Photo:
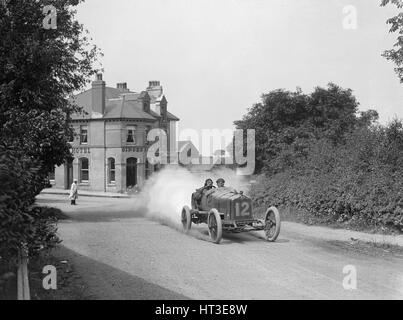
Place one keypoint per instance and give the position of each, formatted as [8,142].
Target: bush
[21,223]
[358,182]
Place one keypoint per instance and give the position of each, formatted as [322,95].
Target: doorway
[131,172]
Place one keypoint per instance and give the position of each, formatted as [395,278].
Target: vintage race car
[224,209]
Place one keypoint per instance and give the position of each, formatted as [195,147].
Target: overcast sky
[215,58]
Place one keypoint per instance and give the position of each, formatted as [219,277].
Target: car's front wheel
[215,226]
[186,219]
[272,223]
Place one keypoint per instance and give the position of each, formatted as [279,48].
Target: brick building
[110,145]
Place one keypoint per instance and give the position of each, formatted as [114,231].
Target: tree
[39,70]
[279,109]
[286,122]
[396,25]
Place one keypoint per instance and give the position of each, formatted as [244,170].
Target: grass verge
[70,285]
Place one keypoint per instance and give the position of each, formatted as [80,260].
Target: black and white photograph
[201,155]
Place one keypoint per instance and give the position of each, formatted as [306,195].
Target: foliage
[359,182]
[39,70]
[286,121]
[396,25]
[21,222]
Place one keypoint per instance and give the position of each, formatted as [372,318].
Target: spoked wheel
[215,226]
[186,219]
[272,224]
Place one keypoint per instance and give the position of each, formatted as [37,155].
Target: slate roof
[171,117]
[119,104]
[121,108]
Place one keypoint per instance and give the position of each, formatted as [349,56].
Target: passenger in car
[221,185]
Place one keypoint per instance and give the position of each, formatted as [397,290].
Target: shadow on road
[47,202]
[105,282]
[239,238]
[95,210]
[107,215]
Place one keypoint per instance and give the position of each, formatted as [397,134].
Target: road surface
[122,254]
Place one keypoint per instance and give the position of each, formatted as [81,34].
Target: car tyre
[272,224]
[215,226]
[186,219]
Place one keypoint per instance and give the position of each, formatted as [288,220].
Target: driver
[208,185]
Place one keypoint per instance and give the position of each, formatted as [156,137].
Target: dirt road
[124,255]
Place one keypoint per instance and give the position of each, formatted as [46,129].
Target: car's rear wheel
[215,226]
[272,224]
[186,219]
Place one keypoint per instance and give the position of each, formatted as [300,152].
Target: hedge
[21,223]
[360,181]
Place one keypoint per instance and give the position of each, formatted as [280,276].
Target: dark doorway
[68,173]
[131,172]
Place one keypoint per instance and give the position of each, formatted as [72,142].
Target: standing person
[73,192]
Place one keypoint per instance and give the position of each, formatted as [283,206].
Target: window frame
[132,128]
[83,128]
[111,170]
[81,170]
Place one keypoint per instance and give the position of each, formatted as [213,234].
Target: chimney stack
[122,86]
[98,94]
[154,89]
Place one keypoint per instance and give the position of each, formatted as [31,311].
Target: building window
[83,135]
[130,134]
[111,167]
[51,175]
[189,153]
[84,170]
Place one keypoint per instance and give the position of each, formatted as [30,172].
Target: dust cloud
[167,191]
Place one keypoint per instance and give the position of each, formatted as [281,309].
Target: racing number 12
[245,209]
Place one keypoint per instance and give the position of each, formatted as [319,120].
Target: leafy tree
[286,122]
[396,25]
[20,222]
[39,70]
[333,111]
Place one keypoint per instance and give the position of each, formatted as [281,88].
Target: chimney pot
[122,85]
[153,84]
[99,77]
